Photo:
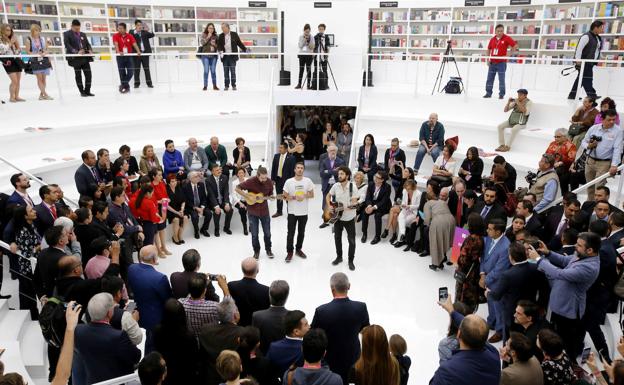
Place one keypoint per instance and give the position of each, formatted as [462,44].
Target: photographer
[200,311]
[521,109]
[321,45]
[544,184]
[306,46]
[603,144]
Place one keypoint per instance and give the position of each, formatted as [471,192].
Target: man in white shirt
[228,44]
[297,191]
[344,192]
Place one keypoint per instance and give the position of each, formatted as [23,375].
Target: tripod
[320,62]
[448,57]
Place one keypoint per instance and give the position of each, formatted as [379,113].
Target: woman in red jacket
[145,210]
[161,199]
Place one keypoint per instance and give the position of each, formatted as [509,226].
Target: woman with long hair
[329,135]
[471,169]
[178,345]
[28,243]
[161,199]
[517,225]
[444,167]
[467,290]
[149,160]
[144,209]
[12,65]
[175,209]
[208,42]
[120,169]
[376,365]
[408,214]
[236,200]
[37,45]
[367,156]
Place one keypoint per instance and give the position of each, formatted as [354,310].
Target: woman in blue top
[173,163]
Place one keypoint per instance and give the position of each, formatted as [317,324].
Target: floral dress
[558,372]
[27,241]
[469,264]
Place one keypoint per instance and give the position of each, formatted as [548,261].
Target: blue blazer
[102,353]
[284,353]
[86,184]
[495,261]
[327,172]
[151,290]
[372,158]
[570,278]
[44,220]
[16,199]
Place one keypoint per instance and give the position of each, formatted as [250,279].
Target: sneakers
[289,257]
[301,254]
[269,254]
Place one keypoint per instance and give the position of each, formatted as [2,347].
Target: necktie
[485,211]
[218,190]
[458,211]
[195,196]
[281,165]
[95,175]
[492,247]
[563,226]
[53,211]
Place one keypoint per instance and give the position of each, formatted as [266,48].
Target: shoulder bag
[38,63]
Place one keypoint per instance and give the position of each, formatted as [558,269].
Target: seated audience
[270,321]
[218,189]
[149,160]
[376,365]
[191,261]
[556,366]
[287,351]
[377,204]
[520,110]
[175,210]
[408,214]
[394,159]
[431,140]
[314,346]
[524,368]
[197,203]
[398,180]
[583,118]
[216,154]
[444,167]
[249,295]
[195,158]
[126,154]
[199,310]
[241,156]
[173,162]
[450,343]
[471,169]
[367,156]
[237,200]
[565,153]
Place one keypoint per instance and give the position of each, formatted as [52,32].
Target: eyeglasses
[558,136]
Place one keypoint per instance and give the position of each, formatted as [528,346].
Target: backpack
[52,321]
[453,86]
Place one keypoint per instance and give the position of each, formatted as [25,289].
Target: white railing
[271,126]
[352,161]
[130,379]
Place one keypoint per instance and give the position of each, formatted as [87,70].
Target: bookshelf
[549,31]
[176,27]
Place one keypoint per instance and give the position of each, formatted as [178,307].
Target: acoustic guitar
[254,198]
[333,217]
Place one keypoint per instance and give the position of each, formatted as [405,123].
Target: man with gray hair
[248,293]
[216,153]
[394,161]
[223,336]
[270,322]
[228,44]
[195,158]
[342,320]
[102,352]
[151,290]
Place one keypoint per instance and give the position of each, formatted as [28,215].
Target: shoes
[233,88]
[150,86]
[175,242]
[400,244]
[289,257]
[384,235]
[496,337]
[502,148]
[276,215]
[89,93]
[226,88]
[323,225]
[227,231]
[571,97]
[298,87]
[245,231]
[501,96]
[393,239]
[205,88]
[45,97]
[196,235]
[215,88]
[270,254]
[166,252]
[137,85]
[217,233]
[300,254]
[486,96]
[351,266]
[205,233]
[414,249]
[407,248]
[84,94]
[337,261]
[375,241]
[433,267]
[256,255]
[181,241]
[424,253]
[364,238]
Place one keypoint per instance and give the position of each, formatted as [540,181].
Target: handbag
[37,63]
[511,202]
[443,181]
[460,276]
[575,129]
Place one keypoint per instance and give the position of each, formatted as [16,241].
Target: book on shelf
[87,26]
[612,43]
[72,10]
[469,43]
[176,41]
[129,12]
[99,41]
[429,28]
[610,10]
[216,14]
[474,29]
[174,27]
[520,14]
[428,43]
[568,29]
[523,29]
[390,15]
[258,28]
[31,8]
[528,44]
[389,28]
[272,42]
[176,13]
[57,41]
[618,57]
[560,44]
[259,15]
[389,42]
[431,15]
[474,14]
[614,26]
[569,12]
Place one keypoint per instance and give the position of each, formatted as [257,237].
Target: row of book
[174,27]
[520,14]
[389,28]
[176,41]
[474,14]
[31,8]
[436,14]
[566,28]
[253,15]
[99,41]
[522,29]
[428,43]
[271,42]
[73,10]
[46,25]
[389,42]
[429,28]
[569,12]
[168,13]
[609,10]
[390,15]
[251,28]
[129,12]
[476,29]
[615,26]
[560,44]
[211,14]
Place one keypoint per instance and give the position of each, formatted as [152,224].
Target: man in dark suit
[602,193]
[489,208]
[46,210]
[456,203]
[76,43]
[517,283]
[21,183]
[329,170]
[87,178]
[216,338]
[191,260]
[616,220]
[47,270]
[287,351]
[219,192]
[510,182]
[197,203]
[151,290]
[102,352]
[342,320]
[249,295]
[97,228]
[228,44]
[393,159]
[377,203]
[282,169]
[142,36]
[270,321]
[532,223]
[559,219]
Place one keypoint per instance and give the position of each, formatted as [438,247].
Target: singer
[306,46]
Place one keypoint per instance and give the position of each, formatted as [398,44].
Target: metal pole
[56,77]
[580,80]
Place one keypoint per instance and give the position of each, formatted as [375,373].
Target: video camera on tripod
[455,85]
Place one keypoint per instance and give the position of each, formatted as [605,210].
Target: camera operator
[603,144]
[321,45]
[306,46]
[545,185]
[199,310]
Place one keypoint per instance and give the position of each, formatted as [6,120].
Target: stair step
[12,325]
[33,346]
[12,359]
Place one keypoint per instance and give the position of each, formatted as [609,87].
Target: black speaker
[369,59]
[370,79]
[284,76]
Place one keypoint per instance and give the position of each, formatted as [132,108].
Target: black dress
[176,198]
[476,169]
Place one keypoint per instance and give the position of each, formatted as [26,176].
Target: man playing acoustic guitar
[343,196]
[256,190]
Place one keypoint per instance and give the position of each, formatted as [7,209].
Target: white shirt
[343,195]
[298,188]
[234,196]
[449,165]
[228,43]
[196,163]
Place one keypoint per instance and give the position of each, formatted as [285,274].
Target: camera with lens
[531,177]
[290,142]
[595,138]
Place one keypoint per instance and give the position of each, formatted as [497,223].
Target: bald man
[248,293]
[195,158]
[151,290]
[216,153]
[431,139]
[476,362]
